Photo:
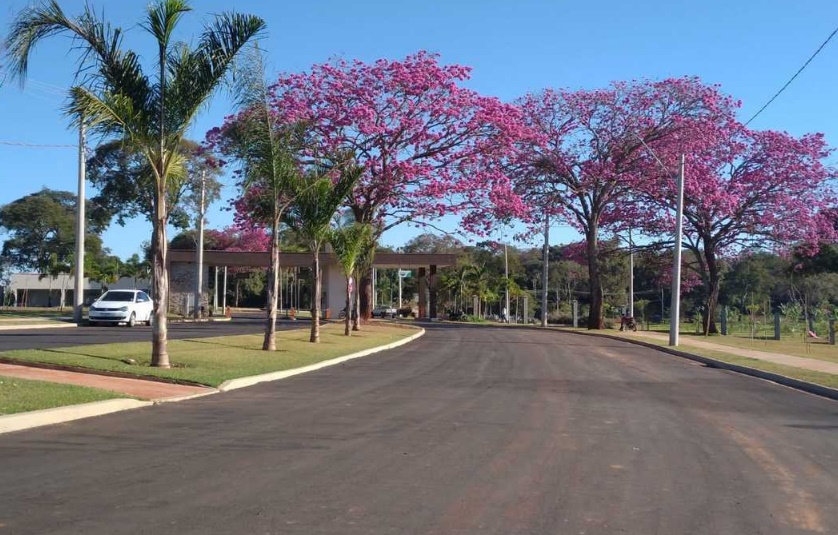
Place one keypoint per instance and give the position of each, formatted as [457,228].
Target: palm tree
[265,148]
[317,197]
[349,243]
[149,114]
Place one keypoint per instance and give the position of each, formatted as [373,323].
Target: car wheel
[92,323]
[132,320]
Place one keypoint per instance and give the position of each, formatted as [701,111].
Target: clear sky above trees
[751,47]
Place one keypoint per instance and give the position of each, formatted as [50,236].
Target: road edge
[797,384]
[243,382]
[27,420]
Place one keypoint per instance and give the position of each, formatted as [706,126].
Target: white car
[121,306]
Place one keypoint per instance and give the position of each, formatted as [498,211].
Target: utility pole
[78,290]
[506,272]
[631,277]
[675,307]
[545,270]
[199,277]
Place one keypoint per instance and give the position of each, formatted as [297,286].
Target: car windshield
[125,297]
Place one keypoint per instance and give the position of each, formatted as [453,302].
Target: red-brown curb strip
[26,420]
[30,326]
[805,386]
[242,382]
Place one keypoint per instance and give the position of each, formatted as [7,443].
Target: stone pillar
[724,321]
[423,293]
[432,286]
[832,331]
[776,326]
[575,313]
[526,314]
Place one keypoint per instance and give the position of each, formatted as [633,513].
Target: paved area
[150,390]
[467,430]
[40,338]
[777,358]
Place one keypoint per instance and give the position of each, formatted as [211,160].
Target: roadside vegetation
[211,361]
[22,395]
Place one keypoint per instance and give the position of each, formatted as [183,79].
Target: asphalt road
[466,430]
[66,337]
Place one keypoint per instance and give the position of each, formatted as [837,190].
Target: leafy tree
[584,154]
[41,228]
[426,144]
[431,243]
[136,269]
[149,114]
[744,189]
[126,182]
[318,194]
[348,244]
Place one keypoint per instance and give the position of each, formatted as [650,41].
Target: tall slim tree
[348,244]
[149,113]
[265,148]
[318,195]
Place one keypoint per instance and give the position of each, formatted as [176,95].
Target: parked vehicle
[384,311]
[121,306]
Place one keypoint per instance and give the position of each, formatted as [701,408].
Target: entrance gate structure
[183,273]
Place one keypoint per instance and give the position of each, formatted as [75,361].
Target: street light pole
[675,307]
[545,274]
[78,288]
[506,272]
[631,277]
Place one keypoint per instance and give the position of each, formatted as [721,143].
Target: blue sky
[750,47]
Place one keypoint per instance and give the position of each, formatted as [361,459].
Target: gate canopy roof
[262,259]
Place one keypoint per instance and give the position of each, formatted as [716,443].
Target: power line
[37,145]
[808,61]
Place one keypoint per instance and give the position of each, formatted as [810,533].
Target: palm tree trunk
[356,320]
[348,318]
[315,300]
[269,343]
[160,285]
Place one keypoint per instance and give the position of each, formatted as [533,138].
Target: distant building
[35,290]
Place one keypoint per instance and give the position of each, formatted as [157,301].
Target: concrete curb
[30,326]
[790,382]
[243,382]
[210,391]
[28,420]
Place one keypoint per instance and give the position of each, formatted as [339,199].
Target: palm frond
[196,75]
[162,17]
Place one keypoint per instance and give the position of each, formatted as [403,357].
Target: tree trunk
[713,288]
[348,318]
[315,300]
[595,280]
[269,343]
[356,320]
[365,289]
[160,285]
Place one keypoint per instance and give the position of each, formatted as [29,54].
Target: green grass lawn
[211,361]
[21,395]
[824,379]
[30,312]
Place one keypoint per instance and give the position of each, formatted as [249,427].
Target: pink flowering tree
[744,189]
[584,154]
[427,146]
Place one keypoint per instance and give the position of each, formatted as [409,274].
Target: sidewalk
[814,365]
[139,388]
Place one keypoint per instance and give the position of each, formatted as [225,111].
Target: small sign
[404,273]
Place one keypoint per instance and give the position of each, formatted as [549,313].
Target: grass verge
[819,378]
[22,395]
[211,361]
